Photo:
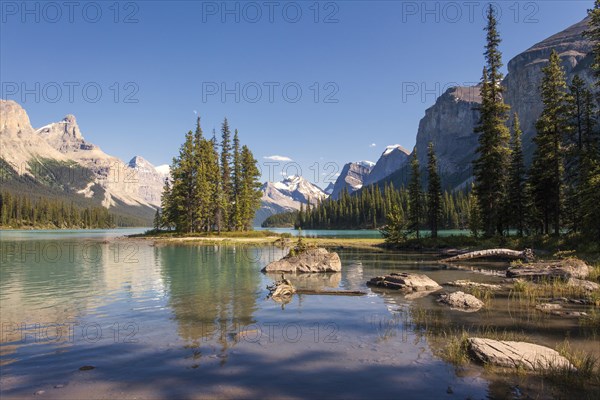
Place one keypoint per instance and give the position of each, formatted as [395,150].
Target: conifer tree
[213,177]
[250,188]
[434,192]
[552,126]
[236,220]
[183,189]
[516,180]
[415,194]
[593,34]
[157,220]
[226,168]
[166,206]
[491,166]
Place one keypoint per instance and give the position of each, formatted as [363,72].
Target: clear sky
[367,70]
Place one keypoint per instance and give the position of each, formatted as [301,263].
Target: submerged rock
[558,311]
[517,354]
[310,260]
[405,282]
[469,284]
[562,269]
[461,301]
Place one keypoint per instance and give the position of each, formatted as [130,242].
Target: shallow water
[184,321]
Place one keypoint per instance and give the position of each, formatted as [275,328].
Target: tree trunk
[526,254]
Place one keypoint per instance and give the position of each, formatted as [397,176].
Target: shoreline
[367,243]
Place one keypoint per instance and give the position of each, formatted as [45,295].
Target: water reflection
[213,291]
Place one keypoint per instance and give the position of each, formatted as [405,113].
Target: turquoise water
[357,234]
[189,321]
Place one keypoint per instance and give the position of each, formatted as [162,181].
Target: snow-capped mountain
[352,177]
[287,195]
[150,179]
[391,160]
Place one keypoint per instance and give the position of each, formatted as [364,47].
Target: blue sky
[357,64]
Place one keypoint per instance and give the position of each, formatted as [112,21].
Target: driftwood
[332,292]
[283,290]
[526,255]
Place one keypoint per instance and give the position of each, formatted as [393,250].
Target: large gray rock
[461,301]
[517,355]
[311,260]
[562,269]
[405,282]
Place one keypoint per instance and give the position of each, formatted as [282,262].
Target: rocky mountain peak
[13,118]
[352,177]
[392,158]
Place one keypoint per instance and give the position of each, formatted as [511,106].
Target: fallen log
[331,292]
[283,290]
[526,255]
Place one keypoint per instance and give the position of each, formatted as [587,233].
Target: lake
[186,321]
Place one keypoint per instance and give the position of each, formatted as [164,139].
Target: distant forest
[368,209]
[24,212]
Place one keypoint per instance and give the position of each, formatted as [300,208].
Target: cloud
[277,158]
[372,145]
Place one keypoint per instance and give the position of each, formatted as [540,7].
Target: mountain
[352,177]
[450,121]
[56,160]
[329,189]
[287,195]
[151,179]
[392,159]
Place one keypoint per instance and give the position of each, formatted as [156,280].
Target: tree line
[210,190]
[561,189]
[21,211]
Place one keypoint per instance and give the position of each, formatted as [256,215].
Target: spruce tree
[593,34]
[218,200]
[236,220]
[202,192]
[516,180]
[157,220]
[166,206]
[552,126]
[226,168]
[183,189]
[415,194]
[250,188]
[491,166]
[434,192]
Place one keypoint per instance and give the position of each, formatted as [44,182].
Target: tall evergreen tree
[552,126]
[491,166]
[236,217]
[215,191]
[415,194]
[184,186]
[434,192]
[250,188]
[593,34]
[166,206]
[516,181]
[226,167]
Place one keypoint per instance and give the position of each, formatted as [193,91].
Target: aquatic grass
[484,294]
[587,367]
[590,324]
[532,293]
